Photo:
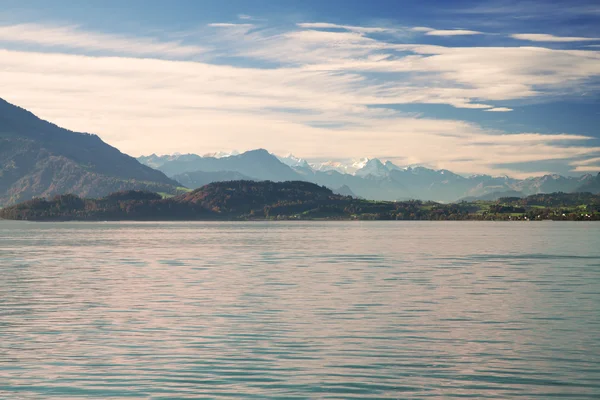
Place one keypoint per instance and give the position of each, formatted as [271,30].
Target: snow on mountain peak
[360,163]
[373,167]
[292,161]
[222,154]
[344,167]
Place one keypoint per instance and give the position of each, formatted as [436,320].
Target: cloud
[499,109]
[452,32]
[244,16]
[588,161]
[307,85]
[531,9]
[71,37]
[529,138]
[586,165]
[542,37]
[444,32]
[145,105]
[422,29]
[325,25]
[587,168]
[229,25]
[433,74]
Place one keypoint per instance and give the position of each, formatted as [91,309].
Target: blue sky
[499,87]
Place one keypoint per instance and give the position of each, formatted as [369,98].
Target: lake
[337,310]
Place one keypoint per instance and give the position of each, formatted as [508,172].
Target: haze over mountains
[367,178]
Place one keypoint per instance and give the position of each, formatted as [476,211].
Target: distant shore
[296,201]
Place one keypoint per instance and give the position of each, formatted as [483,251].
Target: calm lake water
[406,310]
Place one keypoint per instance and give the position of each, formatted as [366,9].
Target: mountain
[374,168]
[369,178]
[551,183]
[38,158]
[291,161]
[591,186]
[197,179]
[344,191]
[222,154]
[344,167]
[156,161]
[256,164]
[250,200]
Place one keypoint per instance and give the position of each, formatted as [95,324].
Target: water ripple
[299,310]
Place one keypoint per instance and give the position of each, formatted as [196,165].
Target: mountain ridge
[39,158]
[377,180]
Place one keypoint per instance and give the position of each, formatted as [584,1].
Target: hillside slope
[40,159]
[250,200]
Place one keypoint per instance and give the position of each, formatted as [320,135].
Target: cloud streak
[136,104]
[325,25]
[319,83]
[542,37]
[452,32]
[71,37]
[229,25]
[444,32]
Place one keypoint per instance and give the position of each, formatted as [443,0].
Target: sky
[496,87]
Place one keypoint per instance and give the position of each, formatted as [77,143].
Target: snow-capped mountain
[373,167]
[291,161]
[343,167]
[369,178]
[156,161]
[331,166]
[222,154]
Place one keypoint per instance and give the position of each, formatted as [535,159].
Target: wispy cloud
[71,37]
[529,8]
[586,165]
[542,37]
[316,75]
[421,29]
[463,75]
[325,25]
[124,99]
[444,32]
[452,32]
[229,25]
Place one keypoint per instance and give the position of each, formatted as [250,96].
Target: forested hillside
[249,200]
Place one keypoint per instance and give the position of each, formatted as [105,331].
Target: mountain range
[367,178]
[40,159]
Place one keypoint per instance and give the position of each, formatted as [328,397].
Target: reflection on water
[300,310]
